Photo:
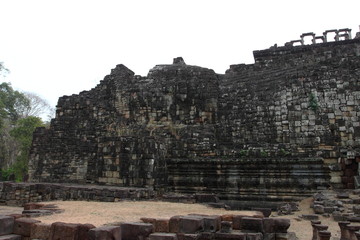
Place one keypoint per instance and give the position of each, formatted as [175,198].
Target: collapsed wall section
[121,131]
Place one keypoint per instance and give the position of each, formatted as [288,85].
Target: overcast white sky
[55,48]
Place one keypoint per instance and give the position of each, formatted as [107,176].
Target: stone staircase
[240,182]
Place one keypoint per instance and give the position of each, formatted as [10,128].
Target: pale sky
[55,48]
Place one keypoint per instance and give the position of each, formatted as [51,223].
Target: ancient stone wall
[294,103]
[18,194]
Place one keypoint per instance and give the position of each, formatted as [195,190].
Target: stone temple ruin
[276,130]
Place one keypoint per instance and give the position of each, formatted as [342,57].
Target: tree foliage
[19,116]
[12,103]
[3,70]
[22,133]
[37,106]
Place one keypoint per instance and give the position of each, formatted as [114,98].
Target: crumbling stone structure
[272,130]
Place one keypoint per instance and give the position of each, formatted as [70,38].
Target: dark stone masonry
[279,129]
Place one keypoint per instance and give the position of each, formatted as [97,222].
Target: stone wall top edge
[245,159]
[302,48]
[72,185]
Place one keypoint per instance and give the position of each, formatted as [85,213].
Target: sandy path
[5,210]
[100,213]
[303,228]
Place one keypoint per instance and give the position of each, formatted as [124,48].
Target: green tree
[19,116]
[12,103]
[23,133]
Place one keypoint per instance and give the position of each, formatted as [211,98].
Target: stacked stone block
[181,227]
[18,194]
[293,103]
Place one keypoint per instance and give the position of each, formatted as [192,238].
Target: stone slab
[104,233]
[22,226]
[134,231]
[6,225]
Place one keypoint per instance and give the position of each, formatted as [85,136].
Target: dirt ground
[100,213]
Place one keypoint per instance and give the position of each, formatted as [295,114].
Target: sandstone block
[254,236]
[69,231]
[32,206]
[11,237]
[40,231]
[22,226]
[16,216]
[286,236]
[206,236]
[237,221]
[281,225]
[104,233]
[226,227]
[148,220]
[227,217]
[310,217]
[269,236]
[252,224]
[162,225]
[356,209]
[212,223]
[134,231]
[6,225]
[174,224]
[163,236]
[206,198]
[319,209]
[269,225]
[184,236]
[191,224]
[225,236]
[265,211]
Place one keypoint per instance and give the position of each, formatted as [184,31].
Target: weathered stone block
[148,220]
[286,236]
[191,224]
[69,231]
[319,209]
[356,209]
[269,236]
[11,237]
[162,225]
[226,227]
[254,236]
[225,236]
[227,217]
[174,224]
[184,236]
[163,236]
[104,233]
[252,224]
[310,217]
[281,225]
[265,211]
[237,221]
[40,231]
[32,206]
[6,225]
[206,198]
[269,225]
[22,226]
[134,231]
[212,223]
[329,209]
